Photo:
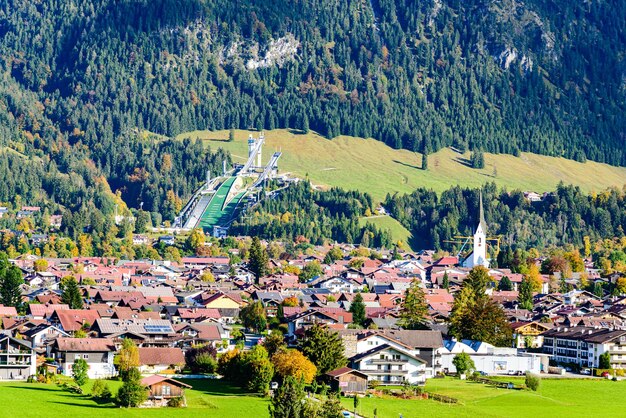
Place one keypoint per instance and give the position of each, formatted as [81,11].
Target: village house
[390,365]
[17,359]
[97,352]
[159,359]
[161,389]
[348,381]
[529,334]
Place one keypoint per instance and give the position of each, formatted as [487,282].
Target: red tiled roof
[85,344]
[74,319]
[7,311]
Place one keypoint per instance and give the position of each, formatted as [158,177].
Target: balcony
[385,372]
[388,361]
[4,363]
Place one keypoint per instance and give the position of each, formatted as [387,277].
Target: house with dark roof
[17,359]
[158,359]
[348,381]
[584,345]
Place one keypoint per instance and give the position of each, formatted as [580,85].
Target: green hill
[370,165]
[386,222]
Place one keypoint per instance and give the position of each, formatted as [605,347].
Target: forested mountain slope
[79,79]
[540,76]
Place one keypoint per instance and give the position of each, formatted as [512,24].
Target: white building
[390,365]
[585,345]
[418,351]
[478,256]
[490,359]
[97,352]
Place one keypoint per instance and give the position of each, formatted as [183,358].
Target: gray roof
[415,338]
[109,326]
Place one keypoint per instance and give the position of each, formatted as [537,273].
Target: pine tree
[258,259]
[324,348]
[525,297]
[10,281]
[72,295]
[424,161]
[446,281]
[288,400]
[132,393]
[357,307]
[477,159]
[505,284]
[414,308]
[79,372]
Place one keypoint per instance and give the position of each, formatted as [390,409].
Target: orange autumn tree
[294,363]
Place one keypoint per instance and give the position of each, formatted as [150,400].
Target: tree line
[564,216]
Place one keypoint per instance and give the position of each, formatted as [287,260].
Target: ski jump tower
[256,146]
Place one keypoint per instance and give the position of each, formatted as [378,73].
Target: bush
[463,363]
[373,384]
[532,382]
[97,388]
[612,372]
[106,395]
[201,359]
[176,402]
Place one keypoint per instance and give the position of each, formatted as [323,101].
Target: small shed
[347,380]
[162,389]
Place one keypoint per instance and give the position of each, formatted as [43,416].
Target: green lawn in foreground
[371,166]
[555,398]
[208,398]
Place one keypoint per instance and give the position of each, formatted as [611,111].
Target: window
[86,356]
[166,390]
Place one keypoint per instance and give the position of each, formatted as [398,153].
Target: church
[478,257]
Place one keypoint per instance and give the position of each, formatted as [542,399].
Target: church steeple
[482,224]
[478,257]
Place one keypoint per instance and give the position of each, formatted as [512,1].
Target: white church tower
[478,257]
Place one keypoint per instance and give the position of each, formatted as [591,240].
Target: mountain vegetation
[564,216]
[82,81]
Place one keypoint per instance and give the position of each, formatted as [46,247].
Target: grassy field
[370,165]
[209,398]
[571,398]
[398,232]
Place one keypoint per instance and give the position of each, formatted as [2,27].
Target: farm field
[369,165]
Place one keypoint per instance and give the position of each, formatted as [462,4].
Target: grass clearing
[370,165]
[398,231]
